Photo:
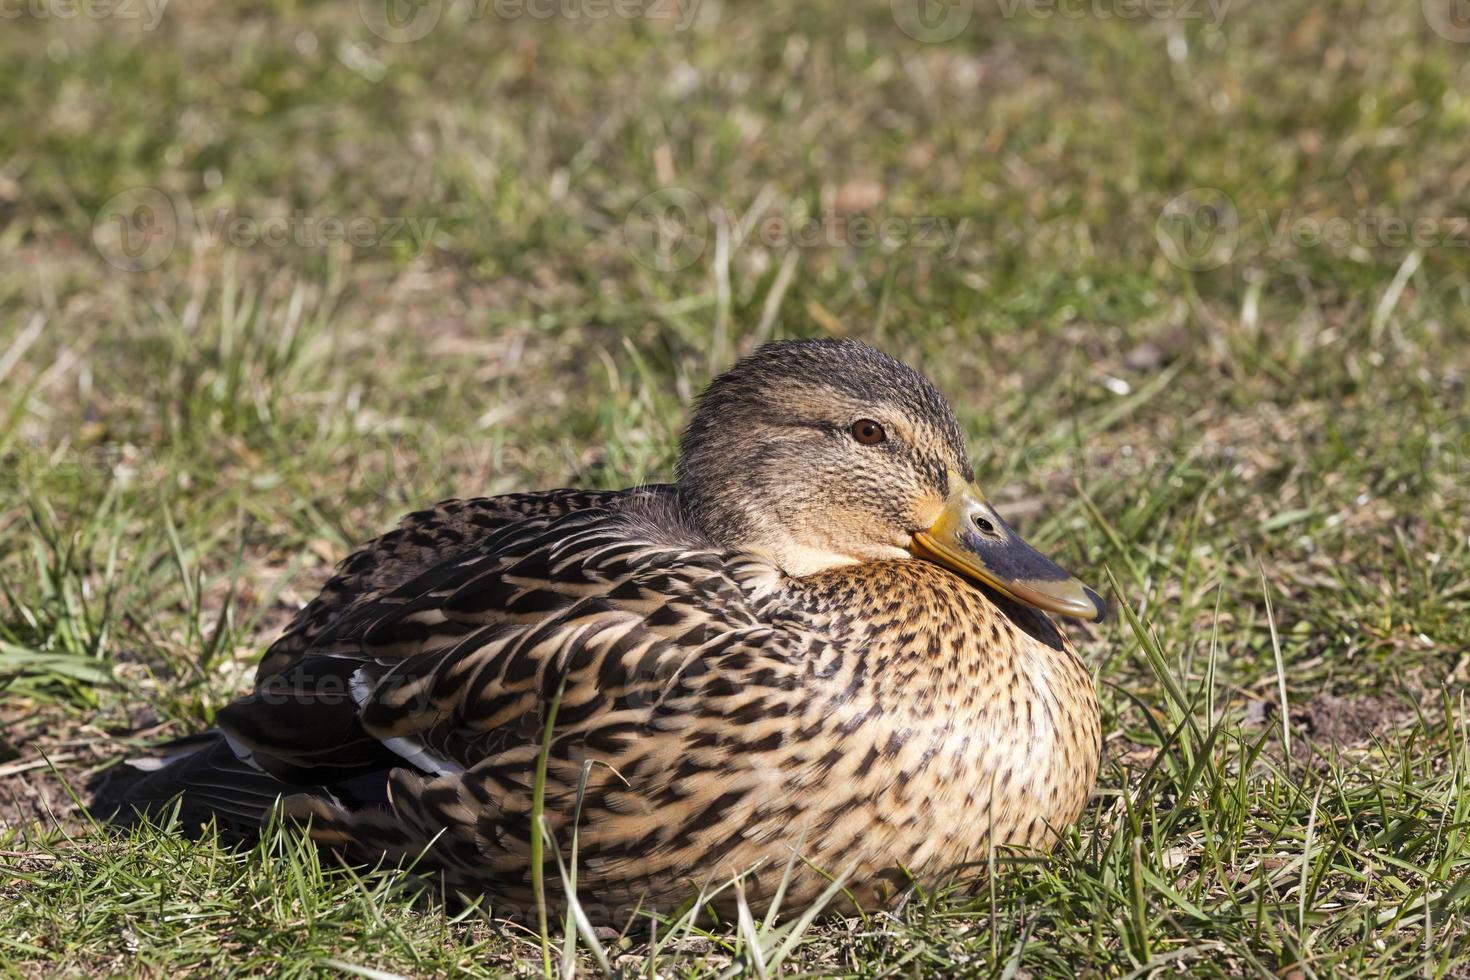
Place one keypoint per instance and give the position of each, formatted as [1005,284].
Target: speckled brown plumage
[716,712]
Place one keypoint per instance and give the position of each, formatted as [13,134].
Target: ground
[1196,277]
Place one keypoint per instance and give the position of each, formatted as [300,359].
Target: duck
[820,648]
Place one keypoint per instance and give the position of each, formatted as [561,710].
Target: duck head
[818,454]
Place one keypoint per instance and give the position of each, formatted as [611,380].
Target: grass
[1263,441]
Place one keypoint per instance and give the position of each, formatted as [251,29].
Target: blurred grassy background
[273,273]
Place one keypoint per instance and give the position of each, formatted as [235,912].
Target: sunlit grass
[1265,460]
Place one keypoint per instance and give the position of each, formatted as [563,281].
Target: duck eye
[868,432]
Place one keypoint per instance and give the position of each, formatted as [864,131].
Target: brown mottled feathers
[422,540]
[714,714]
[735,672]
[719,713]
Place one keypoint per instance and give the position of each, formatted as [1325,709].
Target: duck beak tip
[1001,558]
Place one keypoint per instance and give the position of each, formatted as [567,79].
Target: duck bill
[970,538]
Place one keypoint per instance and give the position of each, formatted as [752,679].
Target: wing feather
[438,677]
[424,543]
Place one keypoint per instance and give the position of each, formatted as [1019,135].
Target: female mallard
[821,637]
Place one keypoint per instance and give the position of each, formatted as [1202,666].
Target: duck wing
[218,779]
[459,661]
[421,541]
[414,716]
